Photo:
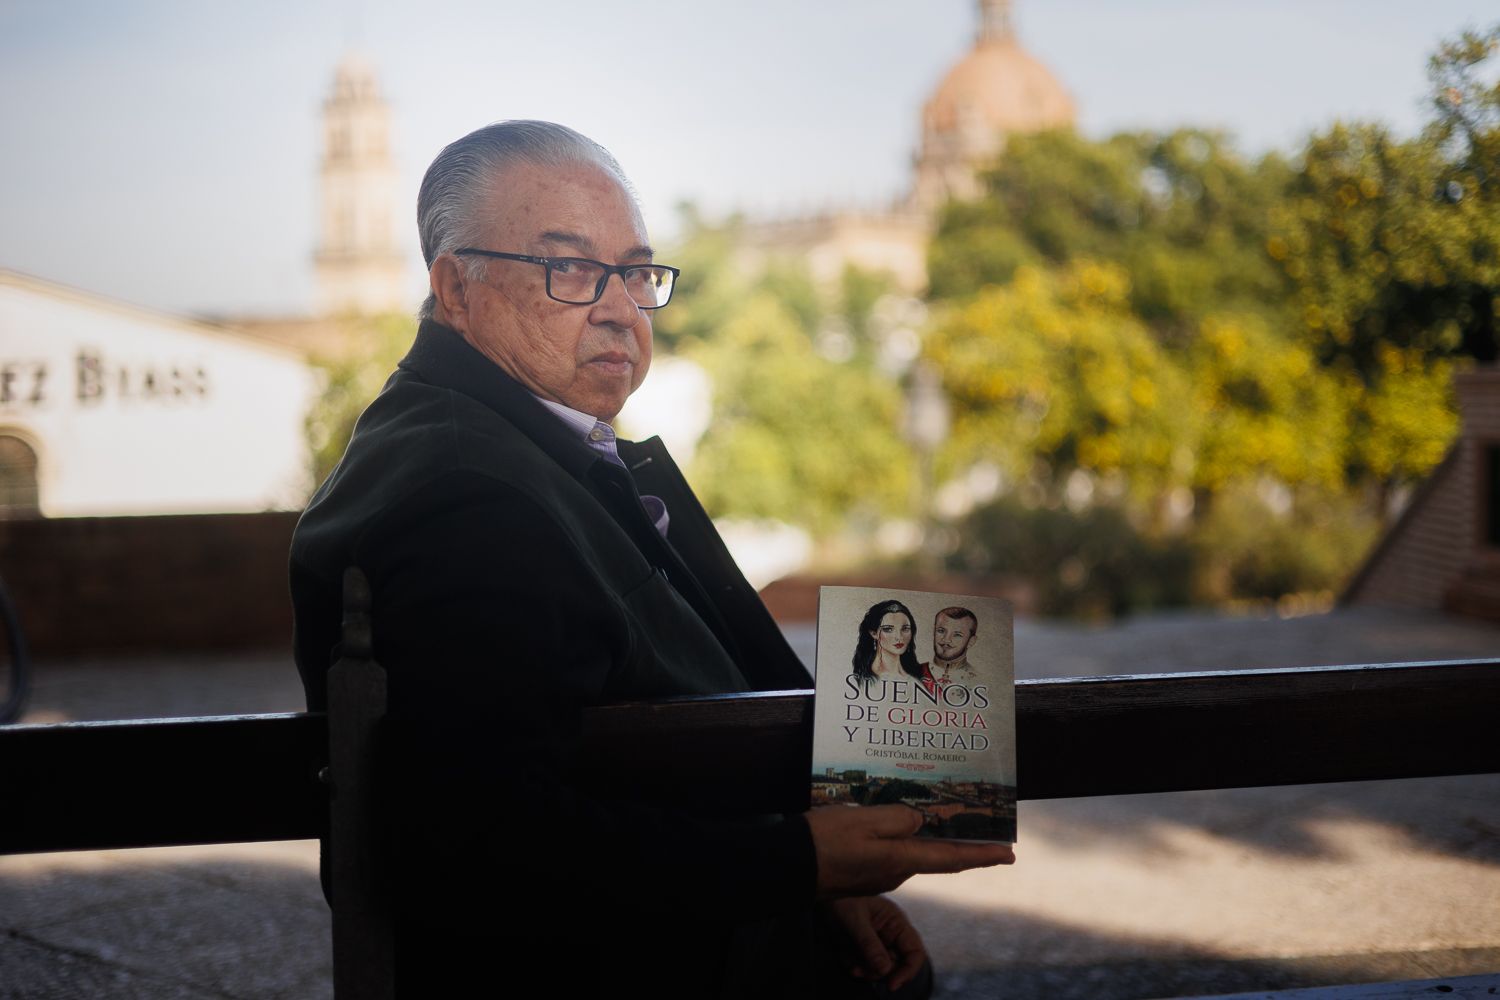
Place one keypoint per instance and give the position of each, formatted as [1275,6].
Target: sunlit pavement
[1139,896]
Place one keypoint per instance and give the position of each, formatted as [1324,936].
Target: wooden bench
[104,785]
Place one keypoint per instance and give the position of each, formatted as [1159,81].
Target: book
[915,704]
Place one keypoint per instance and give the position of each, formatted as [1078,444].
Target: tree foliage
[1181,214]
[350,381]
[1211,342]
[1264,407]
[1054,372]
[1385,248]
[795,436]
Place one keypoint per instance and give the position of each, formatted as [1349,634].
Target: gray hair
[448,215]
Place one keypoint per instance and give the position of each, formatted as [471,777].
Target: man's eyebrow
[640,252]
[586,246]
[582,244]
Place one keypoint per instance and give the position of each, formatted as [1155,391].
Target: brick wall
[1479,402]
[1436,545]
[132,585]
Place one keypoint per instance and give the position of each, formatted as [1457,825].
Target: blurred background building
[360,267]
[114,409]
[996,90]
[107,408]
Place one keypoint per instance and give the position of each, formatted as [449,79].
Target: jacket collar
[440,356]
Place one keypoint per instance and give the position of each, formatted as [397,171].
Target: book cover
[916,704]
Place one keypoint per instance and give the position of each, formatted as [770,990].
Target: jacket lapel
[757,643]
[440,356]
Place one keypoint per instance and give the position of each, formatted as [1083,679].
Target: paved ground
[1140,896]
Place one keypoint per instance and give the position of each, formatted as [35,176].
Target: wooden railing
[98,785]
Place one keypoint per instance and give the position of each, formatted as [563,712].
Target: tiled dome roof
[1000,87]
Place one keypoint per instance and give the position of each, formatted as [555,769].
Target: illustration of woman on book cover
[884,648]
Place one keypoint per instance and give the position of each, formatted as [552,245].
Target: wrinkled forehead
[583,200]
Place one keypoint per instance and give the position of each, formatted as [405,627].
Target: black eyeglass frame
[609,269]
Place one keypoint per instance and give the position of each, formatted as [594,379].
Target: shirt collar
[590,430]
[576,419]
[600,437]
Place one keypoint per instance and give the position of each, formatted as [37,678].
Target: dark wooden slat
[98,785]
[155,783]
[359,852]
[1182,732]
[726,754]
[1096,736]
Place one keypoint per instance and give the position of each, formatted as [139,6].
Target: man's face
[589,357]
[951,638]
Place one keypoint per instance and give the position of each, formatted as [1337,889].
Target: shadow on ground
[247,921]
[1457,816]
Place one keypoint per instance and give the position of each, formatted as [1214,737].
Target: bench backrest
[96,785]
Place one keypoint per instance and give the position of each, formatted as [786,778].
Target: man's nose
[615,304]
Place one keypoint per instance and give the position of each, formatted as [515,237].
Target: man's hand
[880,943]
[872,849]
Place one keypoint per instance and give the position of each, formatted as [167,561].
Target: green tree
[805,423]
[711,285]
[1395,243]
[1245,548]
[1181,213]
[1054,372]
[1199,357]
[1092,563]
[1380,251]
[350,381]
[1466,105]
[794,436]
[1267,408]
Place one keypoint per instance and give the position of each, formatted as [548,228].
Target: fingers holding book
[873,849]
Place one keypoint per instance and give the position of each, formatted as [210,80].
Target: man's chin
[602,398]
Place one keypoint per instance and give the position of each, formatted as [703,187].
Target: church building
[359,266]
[996,90]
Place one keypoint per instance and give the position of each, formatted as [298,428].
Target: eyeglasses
[579,281]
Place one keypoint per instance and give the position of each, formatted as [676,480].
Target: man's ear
[447,280]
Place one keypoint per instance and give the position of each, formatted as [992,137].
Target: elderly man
[525,563]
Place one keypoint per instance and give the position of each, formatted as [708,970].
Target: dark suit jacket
[515,577]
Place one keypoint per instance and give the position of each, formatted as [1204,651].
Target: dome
[998,87]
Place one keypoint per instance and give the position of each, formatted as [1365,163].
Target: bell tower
[995,24]
[359,267]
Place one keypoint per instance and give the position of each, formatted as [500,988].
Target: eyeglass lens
[582,282]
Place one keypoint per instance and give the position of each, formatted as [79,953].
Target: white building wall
[136,412]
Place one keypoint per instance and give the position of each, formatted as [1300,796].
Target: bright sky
[165,151]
